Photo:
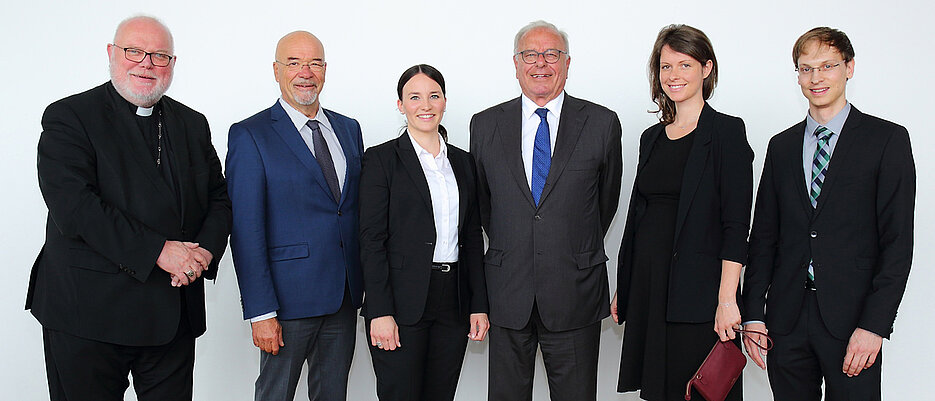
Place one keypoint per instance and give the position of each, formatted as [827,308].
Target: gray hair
[145,17]
[539,24]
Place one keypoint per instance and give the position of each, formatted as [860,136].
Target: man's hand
[613,309]
[862,350]
[757,354]
[384,333]
[479,326]
[179,260]
[267,335]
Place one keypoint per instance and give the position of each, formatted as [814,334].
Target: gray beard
[138,99]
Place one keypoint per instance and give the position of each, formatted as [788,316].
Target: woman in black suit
[421,250]
[685,240]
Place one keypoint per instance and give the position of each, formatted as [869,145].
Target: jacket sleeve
[246,184]
[216,226]
[610,175]
[472,253]
[68,180]
[764,238]
[374,220]
[895,200]
[735,183]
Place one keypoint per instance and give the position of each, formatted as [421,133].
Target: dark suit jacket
[110,212]
[712,221]
[397,233]
[552,254]
[859,236]
[294,245]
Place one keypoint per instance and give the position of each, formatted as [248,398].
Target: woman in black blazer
[685,240]
[421,250]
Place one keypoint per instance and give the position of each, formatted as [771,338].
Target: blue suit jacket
[294,245]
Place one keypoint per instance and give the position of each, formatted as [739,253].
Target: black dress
[659,357]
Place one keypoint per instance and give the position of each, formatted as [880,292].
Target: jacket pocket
[493,257]
[287,252]
[590,259]
[91,260]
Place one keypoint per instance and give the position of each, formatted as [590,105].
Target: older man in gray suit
[549,169]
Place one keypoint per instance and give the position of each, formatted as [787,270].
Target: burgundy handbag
[721,368]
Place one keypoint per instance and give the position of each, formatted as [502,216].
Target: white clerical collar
[144,111]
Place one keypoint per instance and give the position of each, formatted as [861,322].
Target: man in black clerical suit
[831,243]
[548,170]
[138,216]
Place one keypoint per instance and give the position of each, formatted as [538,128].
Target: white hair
[145,17]
[539,24]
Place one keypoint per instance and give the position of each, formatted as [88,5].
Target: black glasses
[551,56]
[138,55]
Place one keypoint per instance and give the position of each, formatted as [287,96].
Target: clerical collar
[144,111]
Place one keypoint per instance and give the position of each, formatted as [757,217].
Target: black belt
[444,267]
[810,284]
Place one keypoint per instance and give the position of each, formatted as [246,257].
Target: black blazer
[859,236]
[397,233]
[110,213]
[551,255]
[713,217]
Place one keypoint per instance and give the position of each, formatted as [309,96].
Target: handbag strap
[769,340]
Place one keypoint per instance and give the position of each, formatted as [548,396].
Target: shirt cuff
[262,317]
[752,322]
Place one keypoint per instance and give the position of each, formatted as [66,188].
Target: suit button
[813,234]
[538,217]
[132,272]
[675,256]
[339,213]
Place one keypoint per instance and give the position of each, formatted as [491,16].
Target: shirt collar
[554,105]
[299,119]
[443,148]
[836,125]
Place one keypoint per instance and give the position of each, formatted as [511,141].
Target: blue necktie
[323,156]
[541,155]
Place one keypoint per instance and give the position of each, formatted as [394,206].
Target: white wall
[51,49]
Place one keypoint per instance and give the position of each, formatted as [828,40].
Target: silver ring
[379,344]
[190,273]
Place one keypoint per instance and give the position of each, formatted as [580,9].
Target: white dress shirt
[531,125]
[334,146]
[443,188]
[327,132]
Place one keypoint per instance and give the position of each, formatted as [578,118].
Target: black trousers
[80,369]
[428,365]
[570,359]
[801,359]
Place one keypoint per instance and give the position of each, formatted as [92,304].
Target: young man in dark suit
[548,167]
[138,212]
[831,243]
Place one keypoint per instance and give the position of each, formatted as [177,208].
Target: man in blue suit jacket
[293,171]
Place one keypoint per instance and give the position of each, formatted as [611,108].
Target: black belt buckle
[810,284]
[442,267]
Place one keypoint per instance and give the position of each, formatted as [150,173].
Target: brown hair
[825,36]
[683,39]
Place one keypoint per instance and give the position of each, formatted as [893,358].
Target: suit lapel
[128,133]
[510,132]
[407,156]
[694,166]
[283,126]
[343,132]
[796,166]
[839,156]
[462,171]
[569,130]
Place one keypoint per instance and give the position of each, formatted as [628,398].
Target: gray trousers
[326,343]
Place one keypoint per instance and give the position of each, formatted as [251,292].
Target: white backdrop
[52,49]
